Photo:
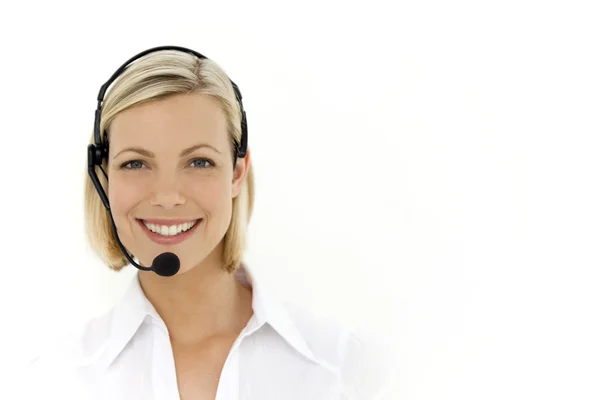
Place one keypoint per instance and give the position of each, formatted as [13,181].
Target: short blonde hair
[156,76]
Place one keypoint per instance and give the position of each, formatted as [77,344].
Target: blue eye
[201,163]
[132,165]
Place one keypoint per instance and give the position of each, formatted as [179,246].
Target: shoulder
[56,363]
[78,344]
[63,351]
[365,363]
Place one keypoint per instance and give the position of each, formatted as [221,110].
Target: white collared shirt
[283,353]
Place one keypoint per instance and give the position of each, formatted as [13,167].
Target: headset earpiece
[95,159]
[244,142]
[96,154]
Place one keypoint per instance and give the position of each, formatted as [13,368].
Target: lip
[156,238]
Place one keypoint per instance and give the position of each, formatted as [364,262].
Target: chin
[188,263]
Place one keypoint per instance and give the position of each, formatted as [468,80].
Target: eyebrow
[150,154]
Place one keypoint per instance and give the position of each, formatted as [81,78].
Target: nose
[167,193]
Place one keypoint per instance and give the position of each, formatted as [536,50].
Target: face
[171,178]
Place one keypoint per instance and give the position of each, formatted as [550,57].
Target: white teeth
[170,230]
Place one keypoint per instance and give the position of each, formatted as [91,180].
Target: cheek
[123,195]
[211,194]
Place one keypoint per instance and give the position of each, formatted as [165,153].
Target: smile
[169,232]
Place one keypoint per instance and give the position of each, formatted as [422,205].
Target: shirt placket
[164,377]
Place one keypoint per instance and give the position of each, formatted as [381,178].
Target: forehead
[175,120]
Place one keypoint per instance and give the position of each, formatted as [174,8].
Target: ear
[239,174]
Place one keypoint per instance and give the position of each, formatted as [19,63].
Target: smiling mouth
[169,230]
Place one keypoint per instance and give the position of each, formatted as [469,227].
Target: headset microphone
[165,264]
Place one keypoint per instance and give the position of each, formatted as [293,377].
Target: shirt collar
[135,308]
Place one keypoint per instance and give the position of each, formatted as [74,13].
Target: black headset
[98,151]
[165,264]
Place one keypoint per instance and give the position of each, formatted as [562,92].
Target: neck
[202,303]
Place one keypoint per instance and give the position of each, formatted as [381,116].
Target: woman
[171,137]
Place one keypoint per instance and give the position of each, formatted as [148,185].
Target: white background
[427,171]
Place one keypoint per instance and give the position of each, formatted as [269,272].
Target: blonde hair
[156,76]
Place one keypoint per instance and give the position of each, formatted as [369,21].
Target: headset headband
[240,150]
